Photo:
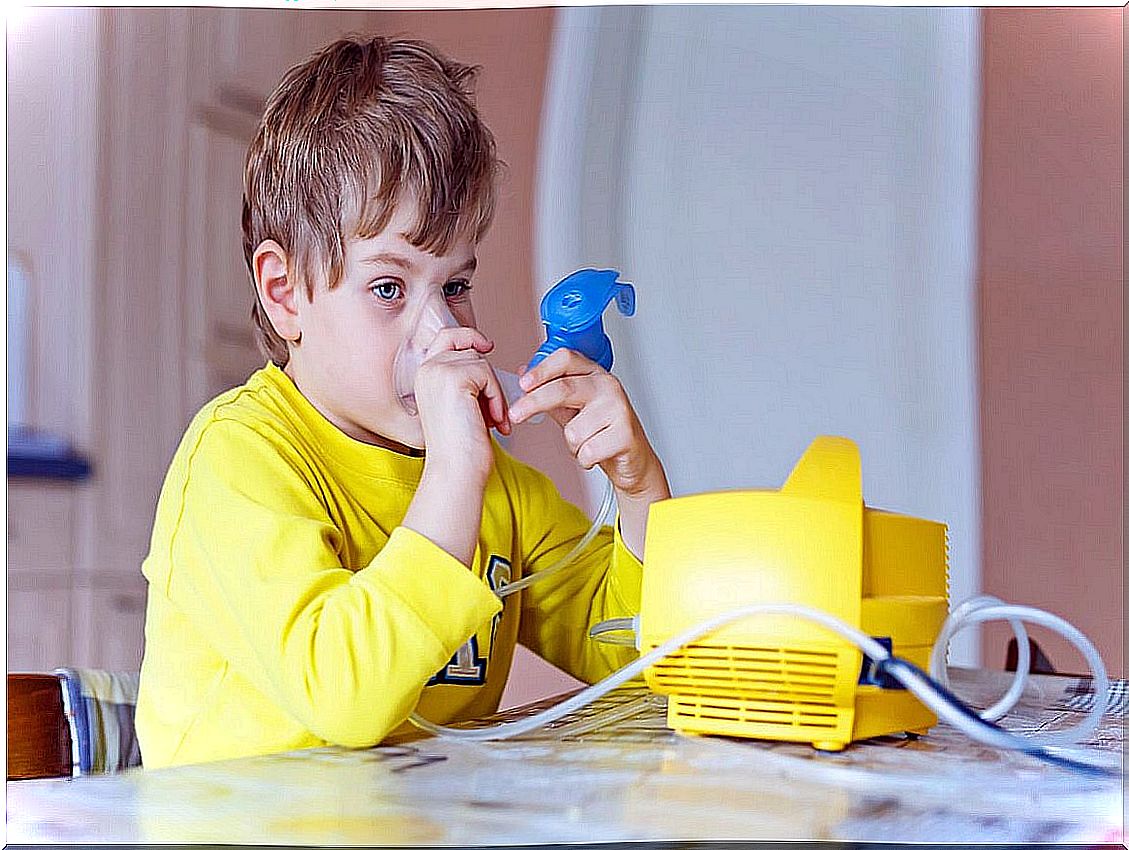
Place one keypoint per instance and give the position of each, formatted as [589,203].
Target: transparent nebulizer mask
[430,315]
[572,313]
[427,316]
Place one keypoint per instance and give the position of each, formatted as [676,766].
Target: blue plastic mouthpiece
[573,314]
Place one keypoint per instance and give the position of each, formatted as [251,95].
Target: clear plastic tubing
[601,519]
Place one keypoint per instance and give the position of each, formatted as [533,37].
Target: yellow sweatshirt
[289,608]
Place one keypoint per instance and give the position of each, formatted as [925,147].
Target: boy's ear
[277,289]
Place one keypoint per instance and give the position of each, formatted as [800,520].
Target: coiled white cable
[959,620]
[994,609]
[912,679]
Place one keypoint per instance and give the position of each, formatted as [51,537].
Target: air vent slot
[690,711]
[763,674]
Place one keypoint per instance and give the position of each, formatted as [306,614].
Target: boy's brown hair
[359,127]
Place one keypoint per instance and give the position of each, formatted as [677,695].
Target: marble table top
[612,772]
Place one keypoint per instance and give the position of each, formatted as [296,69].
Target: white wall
[793,191]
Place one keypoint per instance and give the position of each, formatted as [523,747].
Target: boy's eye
[455,288]
[385,290]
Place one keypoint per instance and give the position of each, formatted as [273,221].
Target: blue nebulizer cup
[573,315]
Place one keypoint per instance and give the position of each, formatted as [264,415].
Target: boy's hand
[600,425]
[459,399]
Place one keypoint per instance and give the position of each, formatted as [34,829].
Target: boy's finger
[597,448]
[563,415]
[488,415]
[496,400]
[563,361]
[459,339]
[570,392]
[583,425]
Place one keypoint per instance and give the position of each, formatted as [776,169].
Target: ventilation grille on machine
[793,677]
[697,710]
[742,690]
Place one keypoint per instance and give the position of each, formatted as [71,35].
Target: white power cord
[959,620]
[983,609]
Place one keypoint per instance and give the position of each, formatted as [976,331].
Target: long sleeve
[558,611]
[254,563]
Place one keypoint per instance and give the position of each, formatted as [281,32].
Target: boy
[326,547]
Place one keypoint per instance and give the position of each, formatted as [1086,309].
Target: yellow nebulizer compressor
[814,543]
[797,614]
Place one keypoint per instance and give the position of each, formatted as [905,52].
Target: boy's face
[350,334]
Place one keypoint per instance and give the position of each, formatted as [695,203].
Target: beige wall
[51,228]
[1052,289]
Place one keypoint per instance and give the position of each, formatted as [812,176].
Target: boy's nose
[434,316]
